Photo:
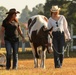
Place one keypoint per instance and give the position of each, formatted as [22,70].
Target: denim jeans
[58,44]
[9,47]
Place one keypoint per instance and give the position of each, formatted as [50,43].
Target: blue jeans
[58,44]
[9,47]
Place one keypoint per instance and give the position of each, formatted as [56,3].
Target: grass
[26,65]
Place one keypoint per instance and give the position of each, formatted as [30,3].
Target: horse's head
[44,34]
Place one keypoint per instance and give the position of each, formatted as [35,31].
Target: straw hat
[55,8]
[12,11]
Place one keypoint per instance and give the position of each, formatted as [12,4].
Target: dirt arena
[26,67]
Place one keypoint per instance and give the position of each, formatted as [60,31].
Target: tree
[72,13]
[39,9]
[67,9]
[3,11]
[25,15]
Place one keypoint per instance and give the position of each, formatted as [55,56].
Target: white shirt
[62,25]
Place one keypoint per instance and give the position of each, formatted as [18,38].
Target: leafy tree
[67,9]
[3,11]
[25,15]
[72,13]
[49,4]
[39,9]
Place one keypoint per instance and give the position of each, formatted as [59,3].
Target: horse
[38,34]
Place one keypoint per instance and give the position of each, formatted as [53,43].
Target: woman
[60,28]
[9,32]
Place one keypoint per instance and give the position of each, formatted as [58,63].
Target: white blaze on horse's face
[41,21]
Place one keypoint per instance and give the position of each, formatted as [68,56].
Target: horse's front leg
[34,55]
[43,57]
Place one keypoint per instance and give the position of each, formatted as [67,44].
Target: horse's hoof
[43,67]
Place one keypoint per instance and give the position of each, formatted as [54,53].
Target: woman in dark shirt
[10,31]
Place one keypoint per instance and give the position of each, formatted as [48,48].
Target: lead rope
[61,52]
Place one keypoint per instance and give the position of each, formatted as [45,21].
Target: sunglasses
[57,24]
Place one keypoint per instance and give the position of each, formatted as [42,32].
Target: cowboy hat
[54,8]
[12,11]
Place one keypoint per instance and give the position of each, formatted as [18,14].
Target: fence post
[0,43]
[71,37]
[68,51]
[23,44]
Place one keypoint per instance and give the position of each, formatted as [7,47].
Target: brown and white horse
[38,36]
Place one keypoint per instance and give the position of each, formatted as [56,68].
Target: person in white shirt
[60,29]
